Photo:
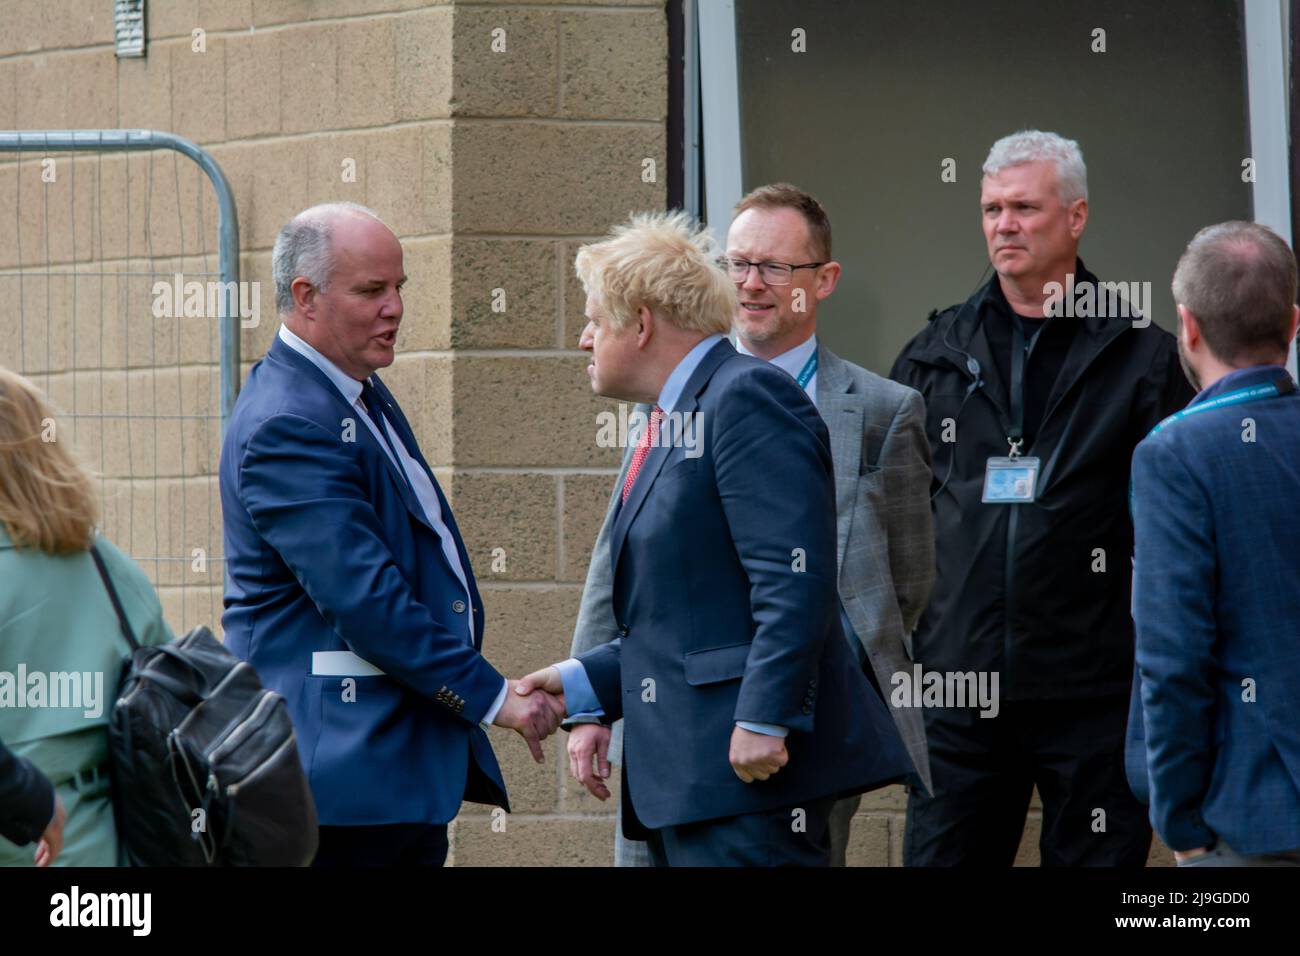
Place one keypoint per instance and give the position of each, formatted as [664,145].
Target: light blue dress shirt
[793,361]
[350,389]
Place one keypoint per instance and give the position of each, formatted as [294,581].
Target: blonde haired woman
[61,647]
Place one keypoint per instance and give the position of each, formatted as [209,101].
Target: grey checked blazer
[885,532]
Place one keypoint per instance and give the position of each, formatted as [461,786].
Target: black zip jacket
[1038,592]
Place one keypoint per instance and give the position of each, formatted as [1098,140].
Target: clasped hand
[533,708]
[752,756]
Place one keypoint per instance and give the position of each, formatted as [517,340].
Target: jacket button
[458,606]
[624,630]
[807,709]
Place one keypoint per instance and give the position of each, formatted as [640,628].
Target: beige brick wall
[539,164]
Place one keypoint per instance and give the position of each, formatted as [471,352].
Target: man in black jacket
[29,808]
[1037,389]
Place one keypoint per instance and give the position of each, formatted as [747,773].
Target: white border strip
[1266,39]
[720,102]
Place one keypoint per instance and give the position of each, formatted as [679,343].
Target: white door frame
[1267,37]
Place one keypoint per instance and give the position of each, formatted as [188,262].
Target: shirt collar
[671,393]
[348,386]
[994,298]
[1240,378]
[792,361]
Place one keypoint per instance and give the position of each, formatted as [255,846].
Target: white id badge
[1010,480]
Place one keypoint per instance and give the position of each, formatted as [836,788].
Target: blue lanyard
[808,371]
[1252,393]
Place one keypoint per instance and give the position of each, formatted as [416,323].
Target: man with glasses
[779,256]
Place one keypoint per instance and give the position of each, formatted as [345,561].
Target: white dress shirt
[350,389]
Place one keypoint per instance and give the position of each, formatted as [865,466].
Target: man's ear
[1078,217]
[645,329]
[1295,321]
[828,278]
[1189,328]
[304,294]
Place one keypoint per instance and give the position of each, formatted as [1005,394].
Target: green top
[61,656]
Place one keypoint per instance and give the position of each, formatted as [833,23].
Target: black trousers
[984,770]
[393,844]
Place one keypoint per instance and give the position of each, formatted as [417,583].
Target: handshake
[535,706]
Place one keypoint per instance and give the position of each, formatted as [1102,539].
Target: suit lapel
[400,431]
[844,412]
[284,354]
[403,433]
[658,454]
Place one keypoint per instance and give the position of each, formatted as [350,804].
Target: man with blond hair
[745,713]
[779,258]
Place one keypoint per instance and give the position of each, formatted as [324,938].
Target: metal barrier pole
[92,140]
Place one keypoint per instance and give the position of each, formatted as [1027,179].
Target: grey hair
[1029,145]
[303,249]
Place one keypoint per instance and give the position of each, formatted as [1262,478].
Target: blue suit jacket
[1216,594]
[328,549]
[725,596]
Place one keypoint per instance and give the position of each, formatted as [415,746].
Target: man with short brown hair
[1214,518]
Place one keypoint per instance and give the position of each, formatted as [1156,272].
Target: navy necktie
[373,403]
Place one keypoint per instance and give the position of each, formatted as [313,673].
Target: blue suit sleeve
[765,425]
[603,666]
[309,499]
[1173,611]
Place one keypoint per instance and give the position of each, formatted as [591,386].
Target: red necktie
[642,449]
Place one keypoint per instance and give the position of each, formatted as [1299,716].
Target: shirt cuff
[495,709]
[772,730]
[579,697]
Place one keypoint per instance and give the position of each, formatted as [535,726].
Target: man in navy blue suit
[745,713]
[1216,586]
[348,586]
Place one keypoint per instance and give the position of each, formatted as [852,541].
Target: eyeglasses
[773,273]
